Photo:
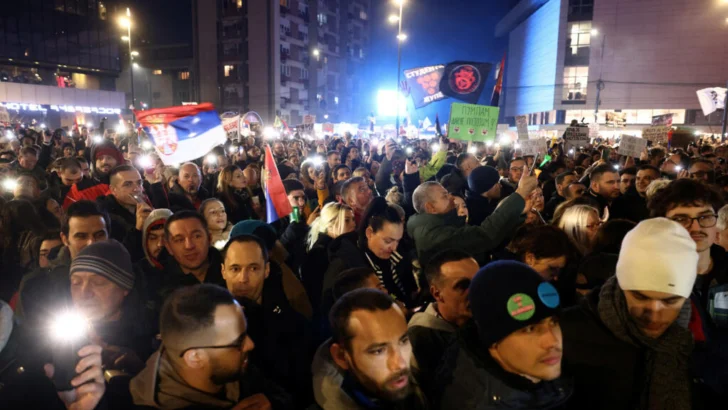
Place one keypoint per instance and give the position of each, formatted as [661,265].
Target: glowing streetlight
[124,38]
[135,53]
[125,22]
[401,37]
[135,65]
[316,52]
[393,19]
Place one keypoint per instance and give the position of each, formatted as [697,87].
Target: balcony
[285,55]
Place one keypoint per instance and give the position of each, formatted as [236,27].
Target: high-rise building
[568,57]
[59,61]
[287,57]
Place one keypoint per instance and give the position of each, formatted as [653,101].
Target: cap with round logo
[521,306]
[548,294]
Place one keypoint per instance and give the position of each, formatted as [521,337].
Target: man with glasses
[203,361]
[702,170]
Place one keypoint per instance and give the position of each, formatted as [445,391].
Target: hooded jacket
[156,218]
[469,378]
[433,233]
[159,386]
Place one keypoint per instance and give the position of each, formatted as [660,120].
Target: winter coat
[87,189]
[314,268]
[433,233]
[293,238]
[630,206]
[46,290]
[335,390]
[174,278]
[123,222]
[282,337]
[238,207]
[550,208]
[178,200]
[479,207]
[469,378]
[608,372]
[430,335]
[159,386]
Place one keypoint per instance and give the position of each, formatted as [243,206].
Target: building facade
[570,58]
[286,58]
[58,61]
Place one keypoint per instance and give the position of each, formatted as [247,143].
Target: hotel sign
[44,108]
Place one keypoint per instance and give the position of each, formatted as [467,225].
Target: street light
[135,65]
[400,38]
[125,22]
[135,53]
[124,38]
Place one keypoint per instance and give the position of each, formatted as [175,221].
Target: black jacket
[178,201]
[174,278]
[123,222]
[630,206]
[602,201]
[608,372]
[238,206]
[314,268]
[479,207]
[469,378]
[550,208]
[283,343]
[293,238]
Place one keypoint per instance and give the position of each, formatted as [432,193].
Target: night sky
[442,31]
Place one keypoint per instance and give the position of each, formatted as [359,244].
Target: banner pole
[725,115]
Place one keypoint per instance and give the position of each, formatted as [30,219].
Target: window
[579,35]
[102,11]
[231,49]
[336,100]
[285,70]
[363,15]
[581,7]
[228,69]
[240,4]
[322,19]
[575,83]
[361,53]
[157,72]
[184,75]
[304,74]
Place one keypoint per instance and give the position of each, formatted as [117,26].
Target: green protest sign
[470,122]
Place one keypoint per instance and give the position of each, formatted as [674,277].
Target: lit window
[322,18]
[304,74]
[240,4]
[184,75]
[361,53]
[228,70]
[363,15]
[336,100]
[157,72]
[579,35]
[575,83]
[102,11]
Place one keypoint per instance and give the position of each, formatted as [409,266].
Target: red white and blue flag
[276,200]
[182,134]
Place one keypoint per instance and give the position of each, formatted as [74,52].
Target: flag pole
[725,115]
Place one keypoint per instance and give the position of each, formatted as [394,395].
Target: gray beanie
[109,259]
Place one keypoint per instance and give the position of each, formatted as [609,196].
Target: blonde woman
[581,223]
[335,220]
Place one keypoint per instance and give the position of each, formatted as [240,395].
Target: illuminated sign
[44,108]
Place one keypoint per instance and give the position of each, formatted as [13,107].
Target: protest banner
[328,127]
[656,134]
[307,126]
[231,124]
[522,126]
[576,137]
[630,146]
[424,84]
[616,119]
[664,119]
[469,122]
[593,130]
[533,147]
[464,80]
[711,99]
[4,115]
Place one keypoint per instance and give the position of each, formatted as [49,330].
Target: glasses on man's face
[705,221]
[237,344]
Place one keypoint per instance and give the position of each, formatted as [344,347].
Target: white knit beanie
[658,255]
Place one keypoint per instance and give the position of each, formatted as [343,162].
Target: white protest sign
[231,124]
[533,147]
[576,137]
[522,126]
[630,146]
[594,130]
[656,134]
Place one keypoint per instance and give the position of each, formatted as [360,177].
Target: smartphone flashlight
[145,161]
[212,159]
[616,167]
[42,125]
[69,332]
[488,143]
[98,139]
[517,146]
[409,151]
[678,168]
[10,185]
[435,147]
[9,134]
[147,144]
[317,161]
[472,150]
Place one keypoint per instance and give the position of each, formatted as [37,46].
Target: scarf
[666,362]
[394,260]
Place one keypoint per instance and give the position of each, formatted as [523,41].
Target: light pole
[126,22]
[400,38]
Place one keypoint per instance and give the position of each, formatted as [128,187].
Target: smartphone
[533,166]
[65,359]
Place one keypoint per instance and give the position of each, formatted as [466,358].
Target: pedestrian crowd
[411,274]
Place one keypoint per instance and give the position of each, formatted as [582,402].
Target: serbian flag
[184,133]
[276,200]
[495,99]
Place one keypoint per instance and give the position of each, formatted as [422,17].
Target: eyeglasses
[705,221]
[234,345]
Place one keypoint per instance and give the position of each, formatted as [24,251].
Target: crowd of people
[411,274]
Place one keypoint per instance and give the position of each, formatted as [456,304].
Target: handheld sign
[533,147]
[470,122]
[522,126]
[630,146]
[576,137]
